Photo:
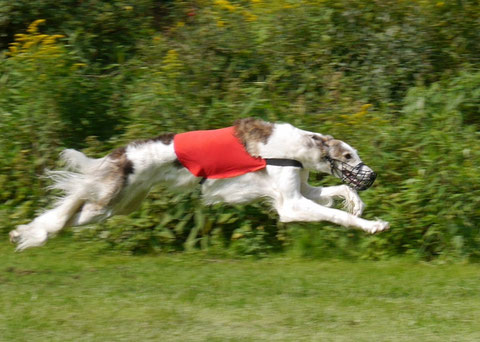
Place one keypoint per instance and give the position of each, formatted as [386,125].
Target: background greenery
[399,80]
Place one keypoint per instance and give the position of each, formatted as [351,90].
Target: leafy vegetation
[399,80]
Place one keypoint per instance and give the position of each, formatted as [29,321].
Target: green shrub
[398,80]
[46,103]
[100,32]
[173,222]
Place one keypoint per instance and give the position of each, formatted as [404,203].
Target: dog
[274,160]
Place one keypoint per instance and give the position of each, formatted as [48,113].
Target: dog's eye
[347,156]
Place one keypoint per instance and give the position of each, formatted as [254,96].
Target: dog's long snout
[365,176]
[367,170]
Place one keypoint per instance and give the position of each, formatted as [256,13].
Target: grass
[68,291]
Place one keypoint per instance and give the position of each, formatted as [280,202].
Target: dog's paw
[377,227]
[25,237]
[358,208]
[15,235]
[355,207]
[353,203]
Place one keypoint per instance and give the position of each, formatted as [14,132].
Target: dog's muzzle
[358,177]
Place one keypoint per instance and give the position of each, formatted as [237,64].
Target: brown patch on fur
[124,166]
[120,168]
[336,150]
[165,138]
[251,131]
[117,153]
[321,142]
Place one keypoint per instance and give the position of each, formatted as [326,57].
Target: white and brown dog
[251,160]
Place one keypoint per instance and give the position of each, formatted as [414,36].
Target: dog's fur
[96,189]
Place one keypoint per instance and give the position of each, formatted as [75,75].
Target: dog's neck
[289,142]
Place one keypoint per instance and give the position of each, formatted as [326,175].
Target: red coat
[215,154]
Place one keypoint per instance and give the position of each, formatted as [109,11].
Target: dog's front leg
[352,202]
[293,206]
[326,195]
[304,210]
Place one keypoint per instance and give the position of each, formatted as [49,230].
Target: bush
[397,79]
[173,222]
[102,33]
[47,102]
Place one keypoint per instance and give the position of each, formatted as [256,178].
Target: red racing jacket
[215,154]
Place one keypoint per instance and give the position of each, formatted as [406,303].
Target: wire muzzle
[354,176]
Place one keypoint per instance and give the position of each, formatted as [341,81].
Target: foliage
[173,222]
[100,32]
[34,70]
[47,102]
[397,79]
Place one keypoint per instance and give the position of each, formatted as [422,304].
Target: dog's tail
[80,179]
[79,162]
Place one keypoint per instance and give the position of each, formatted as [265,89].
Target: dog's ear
[321,142]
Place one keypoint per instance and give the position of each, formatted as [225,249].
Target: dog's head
[341,160]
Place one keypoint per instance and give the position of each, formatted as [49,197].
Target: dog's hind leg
[90,213]
[49,223]
[90,189]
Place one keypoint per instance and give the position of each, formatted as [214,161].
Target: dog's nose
[365,168]
[368,171]
[366,177]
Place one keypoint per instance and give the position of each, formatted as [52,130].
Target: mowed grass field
[68,291]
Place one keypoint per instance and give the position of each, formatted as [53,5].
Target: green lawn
[68,291]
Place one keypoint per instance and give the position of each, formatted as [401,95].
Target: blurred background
[398,80]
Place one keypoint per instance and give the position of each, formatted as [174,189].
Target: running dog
[251,160]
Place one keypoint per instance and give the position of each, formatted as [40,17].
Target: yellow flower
[171,63]
[20,36]
[358,117]
[225,4]
[13,50]
[249,16]
[33,45]
[28,44]
[33,27]
[366,106]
